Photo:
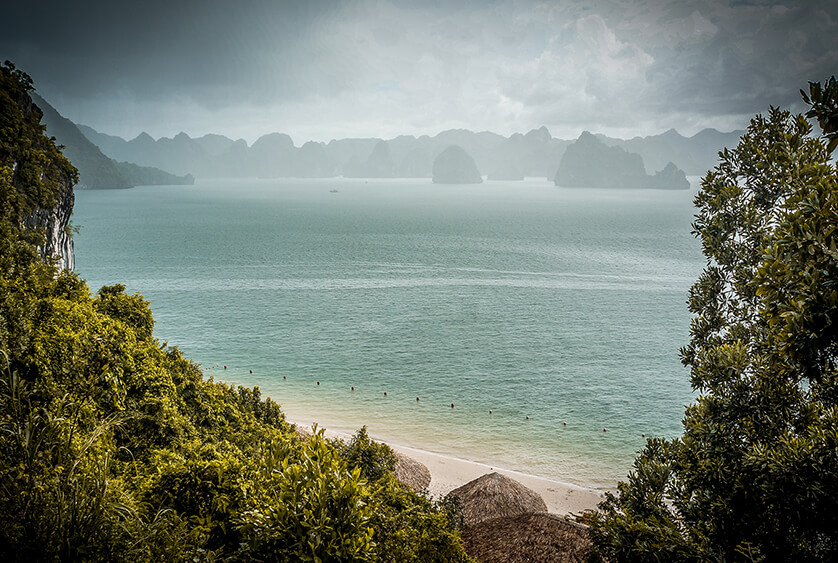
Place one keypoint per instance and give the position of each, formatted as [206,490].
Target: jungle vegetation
[115,447]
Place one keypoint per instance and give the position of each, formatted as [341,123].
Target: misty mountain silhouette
[590,163]
[534,154]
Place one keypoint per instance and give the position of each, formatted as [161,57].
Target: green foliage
[133,310]
[824,102]
[57,499]
[32,169]
[316,508]
[407,526]
[410,527]
[755,475]
[373,459]
[205,487]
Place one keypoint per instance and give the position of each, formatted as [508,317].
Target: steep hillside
[96,171]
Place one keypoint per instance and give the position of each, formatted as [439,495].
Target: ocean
[550,318]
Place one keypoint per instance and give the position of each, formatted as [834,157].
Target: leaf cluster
[823,100]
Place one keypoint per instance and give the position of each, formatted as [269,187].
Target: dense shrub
[373,459]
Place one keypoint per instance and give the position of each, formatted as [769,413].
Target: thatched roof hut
[411,473]
[530,538]
[494,495]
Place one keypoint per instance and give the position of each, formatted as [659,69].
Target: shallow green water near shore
[561,305]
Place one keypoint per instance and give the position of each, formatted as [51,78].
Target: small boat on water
[333,191]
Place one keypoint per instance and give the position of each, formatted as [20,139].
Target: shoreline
[449,472]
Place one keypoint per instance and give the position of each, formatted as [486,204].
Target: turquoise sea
[508,299]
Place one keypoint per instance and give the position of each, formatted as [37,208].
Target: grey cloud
[321,69]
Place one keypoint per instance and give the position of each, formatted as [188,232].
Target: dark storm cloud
[319,69]
[157,49]
[760,54]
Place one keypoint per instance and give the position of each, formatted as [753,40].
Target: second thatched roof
[411,473]
[527,538]
[494,495]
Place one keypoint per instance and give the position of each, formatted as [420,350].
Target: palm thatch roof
[494,495]
[411,473]
[530,538]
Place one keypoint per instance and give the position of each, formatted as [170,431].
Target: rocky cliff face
[55,221]
[36,184]
[589,163]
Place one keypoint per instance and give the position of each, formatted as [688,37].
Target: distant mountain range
[694,155]
[97,171]
[535,154]
[107,161]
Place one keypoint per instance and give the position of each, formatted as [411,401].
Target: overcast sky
[381,68]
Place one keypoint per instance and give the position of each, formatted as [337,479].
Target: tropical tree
[755,475]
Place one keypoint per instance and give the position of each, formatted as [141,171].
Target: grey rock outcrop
[379,164]
[590,163]
[455,166]
[313,161]
[694,155]
[55,221]
[671,178]
[271,156]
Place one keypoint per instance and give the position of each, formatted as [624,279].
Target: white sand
[448,473]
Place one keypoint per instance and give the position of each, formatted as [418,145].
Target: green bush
[410,527]
[132,310]
[316,508]
[373,459]
[59,500]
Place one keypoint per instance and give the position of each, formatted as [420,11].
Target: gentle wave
[568,281]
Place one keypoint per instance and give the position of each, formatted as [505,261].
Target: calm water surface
[565,306]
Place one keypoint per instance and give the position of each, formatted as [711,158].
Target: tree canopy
[755,475]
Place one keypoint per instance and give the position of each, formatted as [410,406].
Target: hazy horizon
[383,68]
[300,142]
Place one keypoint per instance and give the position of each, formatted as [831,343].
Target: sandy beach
[449,472]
